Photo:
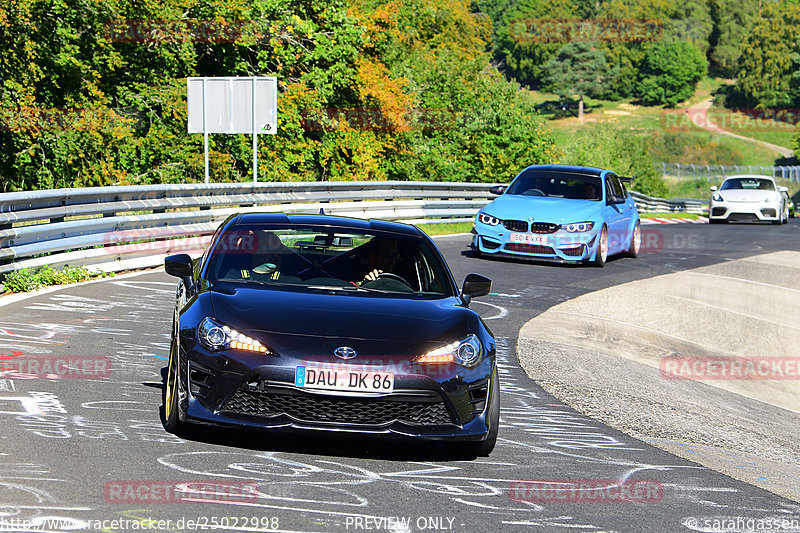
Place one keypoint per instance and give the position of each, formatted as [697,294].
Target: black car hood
[314,323]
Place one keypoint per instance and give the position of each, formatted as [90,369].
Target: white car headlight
[467,352]
[717,197]
[770,199]
[215,336]
[488,219]
[578,227]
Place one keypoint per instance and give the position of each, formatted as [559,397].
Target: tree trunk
[580,108]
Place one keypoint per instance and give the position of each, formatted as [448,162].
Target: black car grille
[769,212]
[718,211]
[340,410]
[529,248]
[573,252]
[515,225]
[544,227]
[489,245]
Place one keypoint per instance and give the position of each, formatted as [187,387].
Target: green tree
[733,20]
[670,73]
[525,36]
[765,66]
[578,68]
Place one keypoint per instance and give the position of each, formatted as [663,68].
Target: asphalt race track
[91,452]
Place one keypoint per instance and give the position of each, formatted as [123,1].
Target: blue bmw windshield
[557,185]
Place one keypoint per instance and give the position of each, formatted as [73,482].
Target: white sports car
[748,198]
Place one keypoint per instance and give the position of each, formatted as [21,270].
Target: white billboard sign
[233,105]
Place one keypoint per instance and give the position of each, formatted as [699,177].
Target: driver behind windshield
[382,257]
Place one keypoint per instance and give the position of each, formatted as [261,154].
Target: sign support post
[232,105]
[255,136]
[205,130]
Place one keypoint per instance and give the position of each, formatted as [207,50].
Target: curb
[699,220]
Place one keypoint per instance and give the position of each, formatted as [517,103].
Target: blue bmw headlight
[578,227]
[487,219]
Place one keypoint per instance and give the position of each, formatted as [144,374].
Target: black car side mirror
[498,189]
[180,265]
[475,285]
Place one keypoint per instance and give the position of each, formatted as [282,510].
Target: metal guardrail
[714,172]
[121,228]
[649,204]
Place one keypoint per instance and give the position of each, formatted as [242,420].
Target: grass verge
[27,280]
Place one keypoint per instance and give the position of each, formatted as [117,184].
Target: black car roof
[327,220]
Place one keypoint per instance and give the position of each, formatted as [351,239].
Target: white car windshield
[748,183]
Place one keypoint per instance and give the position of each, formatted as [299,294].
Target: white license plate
[313,377]
[528,238]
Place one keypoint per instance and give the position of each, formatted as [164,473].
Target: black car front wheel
[174,414]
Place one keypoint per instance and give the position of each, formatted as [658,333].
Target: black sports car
[322,323]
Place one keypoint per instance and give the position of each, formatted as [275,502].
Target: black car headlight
[467,352]
[578,227]
[487,219]
[215,337]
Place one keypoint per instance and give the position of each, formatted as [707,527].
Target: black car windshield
[340,259]
[748,183]
[556,185]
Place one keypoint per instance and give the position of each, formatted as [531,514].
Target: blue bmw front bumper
[560,246]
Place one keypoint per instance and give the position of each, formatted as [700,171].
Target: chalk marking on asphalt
[502,310]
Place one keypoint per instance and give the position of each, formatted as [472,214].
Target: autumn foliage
[94,93]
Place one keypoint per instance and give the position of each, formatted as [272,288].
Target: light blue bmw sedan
[560,213]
